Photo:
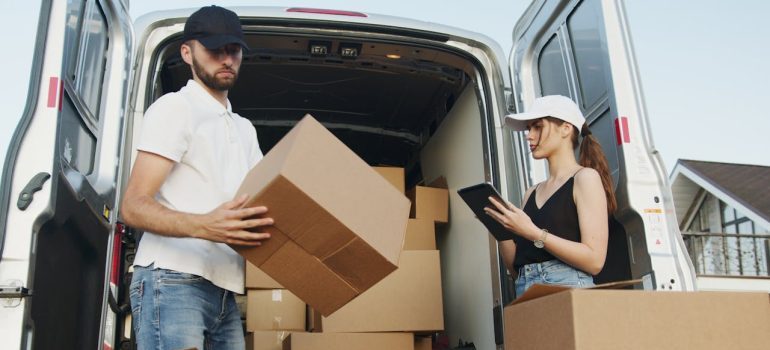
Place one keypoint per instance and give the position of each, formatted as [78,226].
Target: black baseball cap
[214,27]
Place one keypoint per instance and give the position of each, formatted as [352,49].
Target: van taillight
[326,12]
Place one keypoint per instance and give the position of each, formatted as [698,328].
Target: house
[723,211]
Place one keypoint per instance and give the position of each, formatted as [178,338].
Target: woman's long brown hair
[592,156]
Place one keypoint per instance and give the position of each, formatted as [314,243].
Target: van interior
[383,100]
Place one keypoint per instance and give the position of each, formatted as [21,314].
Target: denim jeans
[551,272]
[174,310]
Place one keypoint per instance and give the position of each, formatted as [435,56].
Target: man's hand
[228,224]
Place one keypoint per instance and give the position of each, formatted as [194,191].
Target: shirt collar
[199,91]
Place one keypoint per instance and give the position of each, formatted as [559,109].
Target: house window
[746,253]
[724,242]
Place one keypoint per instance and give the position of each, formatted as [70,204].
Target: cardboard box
[258,279]
[409,300]
[595,319]
[339,227]
[423,343]
[420,235]
[349,341]
[266,340]
[430,203]
[394,175]
[276,309]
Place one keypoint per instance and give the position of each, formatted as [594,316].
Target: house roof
[740,185]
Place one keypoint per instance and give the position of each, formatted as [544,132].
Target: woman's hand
[513,219]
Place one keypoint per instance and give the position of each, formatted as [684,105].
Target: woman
[560,236]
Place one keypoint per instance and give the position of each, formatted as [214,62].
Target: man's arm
[226,223]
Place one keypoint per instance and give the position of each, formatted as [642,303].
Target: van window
[583,26]
[78,146]
[552,69]
[21,19]
[86,48]
[86,44]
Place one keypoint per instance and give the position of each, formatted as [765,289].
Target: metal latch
[14,292]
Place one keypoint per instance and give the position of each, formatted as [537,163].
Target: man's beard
[212,81]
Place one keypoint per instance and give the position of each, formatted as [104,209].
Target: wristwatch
[540,242]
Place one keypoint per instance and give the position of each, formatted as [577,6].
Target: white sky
[699,61]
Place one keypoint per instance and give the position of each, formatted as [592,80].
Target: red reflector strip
[622,135]
[53,92]
[626,135]
[326,12]
[116,245]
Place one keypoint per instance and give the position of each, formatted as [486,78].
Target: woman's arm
[587,255]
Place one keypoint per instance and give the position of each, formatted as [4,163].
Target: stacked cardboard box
[266,340]
[349,341]
[271,315]
[430,202]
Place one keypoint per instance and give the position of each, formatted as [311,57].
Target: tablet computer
[477,197]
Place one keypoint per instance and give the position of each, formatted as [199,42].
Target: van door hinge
[14,292]
[34,185]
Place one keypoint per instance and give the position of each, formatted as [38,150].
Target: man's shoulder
[172,101]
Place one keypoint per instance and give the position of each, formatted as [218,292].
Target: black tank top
[558,215]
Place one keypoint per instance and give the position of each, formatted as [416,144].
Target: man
[192,156]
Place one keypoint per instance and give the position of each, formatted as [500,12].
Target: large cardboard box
[339,226]
[258,279]
[408,300]
[420,235]
[596,319]
[394,175]
[349,341]
[430,203]
[266,340]
[276,309]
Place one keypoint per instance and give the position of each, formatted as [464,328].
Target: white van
[398,92]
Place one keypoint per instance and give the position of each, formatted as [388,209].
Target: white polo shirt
[213,149]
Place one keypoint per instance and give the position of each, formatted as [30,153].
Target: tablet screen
[477,197]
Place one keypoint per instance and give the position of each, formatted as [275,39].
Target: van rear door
[582,49]
[59,181]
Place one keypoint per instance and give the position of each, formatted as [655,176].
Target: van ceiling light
[326,12]
[319,48]
[393,56]
[348,50]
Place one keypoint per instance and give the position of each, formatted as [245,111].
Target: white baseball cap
[557,106]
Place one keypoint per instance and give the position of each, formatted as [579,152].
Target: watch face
[539,244]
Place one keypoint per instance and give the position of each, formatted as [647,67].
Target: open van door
[58,228]
[582,49]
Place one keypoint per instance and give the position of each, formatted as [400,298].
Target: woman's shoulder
[587,177]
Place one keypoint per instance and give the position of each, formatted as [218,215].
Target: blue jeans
[551,272]
[174,310]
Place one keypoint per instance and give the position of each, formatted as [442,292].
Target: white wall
[455,151]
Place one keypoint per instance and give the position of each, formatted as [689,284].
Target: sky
[699,63]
